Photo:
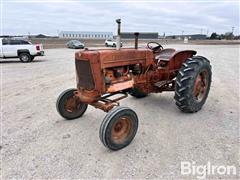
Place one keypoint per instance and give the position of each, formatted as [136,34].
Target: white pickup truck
[111,43]
[24,50]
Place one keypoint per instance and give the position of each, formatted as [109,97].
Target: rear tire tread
[185,82]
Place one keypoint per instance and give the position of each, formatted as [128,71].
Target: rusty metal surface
[111,71]
[86,96]
[120,86]
[107,104]
[124,57]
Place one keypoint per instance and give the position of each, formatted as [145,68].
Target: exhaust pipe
[118,41]
[136,34]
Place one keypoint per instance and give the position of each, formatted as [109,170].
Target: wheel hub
[200,86]
[24,58]
[71,104]
[121,129]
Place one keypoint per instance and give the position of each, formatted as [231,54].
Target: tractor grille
[84,74]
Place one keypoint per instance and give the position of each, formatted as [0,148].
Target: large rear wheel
[193,84]
[118,128]
[69,106]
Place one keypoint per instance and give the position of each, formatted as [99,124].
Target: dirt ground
[37,143]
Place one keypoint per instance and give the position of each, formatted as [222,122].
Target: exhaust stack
[136,34]
[118,41]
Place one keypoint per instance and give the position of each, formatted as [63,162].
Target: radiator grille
[84,74]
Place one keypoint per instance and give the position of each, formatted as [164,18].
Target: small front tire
[69,106]
[118,128]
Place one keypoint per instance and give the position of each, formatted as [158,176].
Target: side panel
[123,57]
[9,50]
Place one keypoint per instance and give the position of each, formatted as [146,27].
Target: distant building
[40,36]
[191,37]
[142,35]
[85,35]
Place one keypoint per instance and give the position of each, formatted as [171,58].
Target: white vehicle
[24,50]
[111,43]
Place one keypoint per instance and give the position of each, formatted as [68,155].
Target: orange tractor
[106,76]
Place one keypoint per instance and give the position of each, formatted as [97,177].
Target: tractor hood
[113,58]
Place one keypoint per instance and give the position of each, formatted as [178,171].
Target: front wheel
[69,106]
[118,128]
[193,84]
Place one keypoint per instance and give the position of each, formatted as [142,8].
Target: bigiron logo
[190,168]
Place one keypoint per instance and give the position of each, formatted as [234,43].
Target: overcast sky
[191,16]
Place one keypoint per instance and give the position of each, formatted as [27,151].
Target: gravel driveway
[38,143]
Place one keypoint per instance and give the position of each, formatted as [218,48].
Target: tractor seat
[165,55]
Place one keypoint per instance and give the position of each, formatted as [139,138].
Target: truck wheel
[25,57]
[193,84]
[118,128]
[68,106]
[137,93]
[32,58]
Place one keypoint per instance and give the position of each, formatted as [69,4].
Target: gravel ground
[38,143]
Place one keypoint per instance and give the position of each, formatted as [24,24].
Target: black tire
[106,44]
[32,58]
[137,93]
[193,84]
[114,45]
[118,128]
[73,112]
[25,57]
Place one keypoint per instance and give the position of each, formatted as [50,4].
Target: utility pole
[233,29]
[232,32]
[182,34]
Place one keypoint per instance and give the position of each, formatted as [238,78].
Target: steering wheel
[156,47]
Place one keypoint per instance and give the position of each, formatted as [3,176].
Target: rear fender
[179,58]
